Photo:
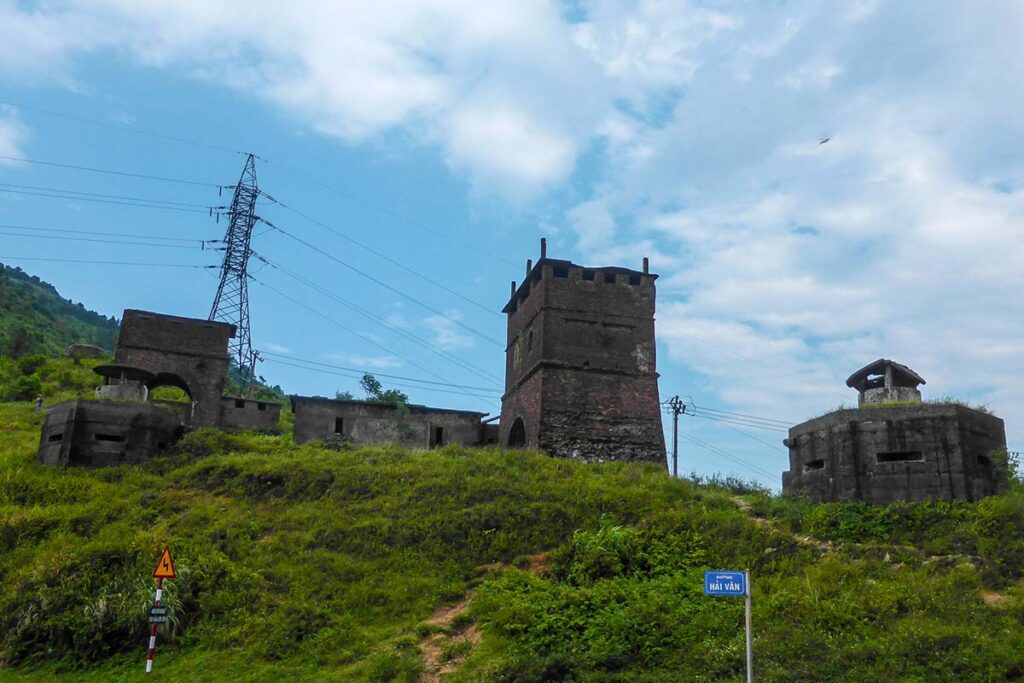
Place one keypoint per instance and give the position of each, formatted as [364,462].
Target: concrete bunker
[896,447]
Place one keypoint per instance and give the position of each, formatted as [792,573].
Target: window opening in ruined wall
[339,425]
[900,456]
[108,437]
[814,465]
[438,437]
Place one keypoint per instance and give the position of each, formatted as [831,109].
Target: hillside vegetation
[384,564]
[36,319]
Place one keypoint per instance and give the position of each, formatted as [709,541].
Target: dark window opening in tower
[609,278]
[588,275]
[517,435]
[560,271]
[339,425]
[529,341]
[634,279]
[814,465]
[438,437]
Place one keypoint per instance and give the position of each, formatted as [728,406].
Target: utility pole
[231,304]
[678,408]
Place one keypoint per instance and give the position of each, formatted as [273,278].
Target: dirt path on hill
[453,637]
[803,539]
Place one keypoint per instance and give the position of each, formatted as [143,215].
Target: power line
[375,373]
[462,363]
[119,126]
[105,201]
[348,329]
[101,240]
[104,234]
[740,423]
[383,256]
[314,181]
[753,438]
[728,456]
[397,384]
[785,423]
[388,287]
[106,196]
[107,171]
[108,263]
[387,212]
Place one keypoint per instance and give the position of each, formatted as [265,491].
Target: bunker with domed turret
[894,446]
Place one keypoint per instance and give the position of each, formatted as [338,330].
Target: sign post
[734,584]
[157,614]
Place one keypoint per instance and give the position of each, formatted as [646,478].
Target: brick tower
[580,378]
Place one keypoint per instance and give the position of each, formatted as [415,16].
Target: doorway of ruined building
[437,437]
[169,387]
[517,435]
[172,392]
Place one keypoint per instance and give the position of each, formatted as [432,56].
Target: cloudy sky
[817,184]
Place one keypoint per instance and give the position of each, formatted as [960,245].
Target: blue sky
[451,136]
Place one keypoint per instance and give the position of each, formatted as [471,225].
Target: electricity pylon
[231,305]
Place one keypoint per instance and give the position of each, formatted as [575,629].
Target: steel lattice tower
[231,305]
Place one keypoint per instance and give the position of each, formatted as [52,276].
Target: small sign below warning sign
[165,567]
[158,615]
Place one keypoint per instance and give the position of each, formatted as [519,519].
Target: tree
[375,391]
[344,396]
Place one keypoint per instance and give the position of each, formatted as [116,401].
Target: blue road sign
[725,583]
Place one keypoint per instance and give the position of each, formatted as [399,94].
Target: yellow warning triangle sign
[165,566]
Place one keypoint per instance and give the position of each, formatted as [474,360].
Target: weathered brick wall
[523,403]
[370,422]
[881,455]
[580,363]
[599,417]
[249,413]
[185,352]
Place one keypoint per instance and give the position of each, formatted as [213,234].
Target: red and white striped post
[152,627]
[164,570]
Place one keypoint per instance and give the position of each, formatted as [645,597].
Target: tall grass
[303,563]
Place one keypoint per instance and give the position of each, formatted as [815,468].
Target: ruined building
[414,426]
[123,424]
[894,447]
[580,377]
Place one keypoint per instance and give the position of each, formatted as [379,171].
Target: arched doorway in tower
[517,435]
[172,392]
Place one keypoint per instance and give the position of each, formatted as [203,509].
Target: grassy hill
[383,564]
[36,319]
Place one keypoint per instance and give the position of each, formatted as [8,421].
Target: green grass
[301,563]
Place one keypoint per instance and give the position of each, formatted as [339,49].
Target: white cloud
[361,362]
[511,93]
[446,333]
[276,348]
[799,261]
[13,134]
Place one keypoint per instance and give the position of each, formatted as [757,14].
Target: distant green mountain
[36,319]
